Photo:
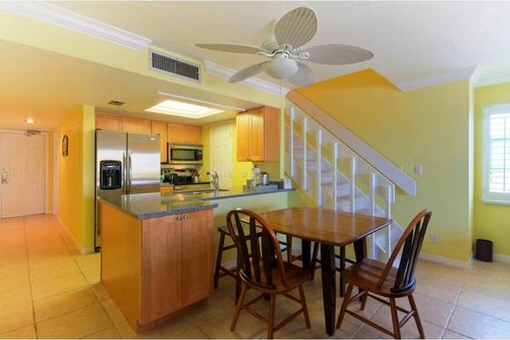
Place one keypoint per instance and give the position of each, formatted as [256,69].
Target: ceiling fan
[285,50]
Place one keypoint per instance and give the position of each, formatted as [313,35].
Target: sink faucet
[215,179]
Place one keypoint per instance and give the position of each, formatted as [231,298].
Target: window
[496,149]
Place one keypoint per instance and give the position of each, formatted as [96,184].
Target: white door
[221,152]
[22,172]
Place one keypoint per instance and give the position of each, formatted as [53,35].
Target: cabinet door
[161,267]
[271,134]
[257,136]
[197,256]
[107,122]
[159,128]
[176,133]
[193,134]
[243,125]
[136,125]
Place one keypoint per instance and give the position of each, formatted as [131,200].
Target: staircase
[335,176]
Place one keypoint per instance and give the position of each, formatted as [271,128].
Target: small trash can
[484,250]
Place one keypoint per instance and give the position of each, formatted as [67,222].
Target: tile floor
[47,290]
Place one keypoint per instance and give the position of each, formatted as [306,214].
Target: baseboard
[447,261]
[501,258]
[73,240]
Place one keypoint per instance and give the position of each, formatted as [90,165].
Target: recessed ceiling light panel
[181,109]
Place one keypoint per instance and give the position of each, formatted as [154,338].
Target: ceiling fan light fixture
[281,67]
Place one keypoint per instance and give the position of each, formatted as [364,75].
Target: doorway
[221,152]
[23,171]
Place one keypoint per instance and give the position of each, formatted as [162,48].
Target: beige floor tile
[19,295]
[56,305]
[218,326]
[14,316]
[191,333]
[56,286]
[77,324]
[478,325]
[489,304]
[126,331]
[100,291]
[430,309]
[27,332]
[107,333]
[452,335]
[113,311]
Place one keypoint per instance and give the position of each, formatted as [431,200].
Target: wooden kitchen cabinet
[122,124]
[154,267]
[177,262]
[159,128]
[136,125]
[108,122]
[180,133]
[258,135]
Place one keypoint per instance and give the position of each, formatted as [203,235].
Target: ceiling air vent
[167,64]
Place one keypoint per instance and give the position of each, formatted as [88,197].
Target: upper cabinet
[169,132]
[123,124]
[258,135]
[159,128]
[179,133]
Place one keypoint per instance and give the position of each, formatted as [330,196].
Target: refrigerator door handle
[129,174]
[125,175]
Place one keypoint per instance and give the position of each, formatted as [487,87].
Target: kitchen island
[157,255]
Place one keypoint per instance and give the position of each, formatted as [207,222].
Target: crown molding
[438,79]
[70,20]
[225,73]
[491,78]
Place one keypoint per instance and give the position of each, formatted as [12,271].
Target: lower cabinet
[152,268]
[177,263]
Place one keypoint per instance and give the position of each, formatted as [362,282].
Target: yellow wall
[70,212]
[490,220]
[427,126]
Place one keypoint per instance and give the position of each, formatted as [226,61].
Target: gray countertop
[151,205]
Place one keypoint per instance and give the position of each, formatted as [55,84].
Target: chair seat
[294,276]
[365,274]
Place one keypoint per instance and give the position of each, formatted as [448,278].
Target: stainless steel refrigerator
[126,163]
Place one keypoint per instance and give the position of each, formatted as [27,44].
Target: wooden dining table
[330,228]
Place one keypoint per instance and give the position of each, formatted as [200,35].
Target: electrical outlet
[434,238]
[418,169]
[243,174]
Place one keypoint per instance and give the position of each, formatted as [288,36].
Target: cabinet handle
[178,218]
[185,216]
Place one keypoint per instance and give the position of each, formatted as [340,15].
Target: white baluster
[319,167]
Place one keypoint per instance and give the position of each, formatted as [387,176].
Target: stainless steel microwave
[185,153]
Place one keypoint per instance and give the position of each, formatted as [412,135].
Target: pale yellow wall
[427,126]
[490,220]
[70,195]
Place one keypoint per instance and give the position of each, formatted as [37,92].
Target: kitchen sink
[198,191]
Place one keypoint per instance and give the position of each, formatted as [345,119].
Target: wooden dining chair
[380,280]
[262,268]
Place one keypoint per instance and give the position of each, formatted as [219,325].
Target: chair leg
[289,249]
[364,299]
[416,316]
[345,303]
[394,318]
[313,264]
[218,260]
[303,305]
[270,319]
[341,283]
[239,306]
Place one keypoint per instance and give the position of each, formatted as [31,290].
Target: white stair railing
[335,177]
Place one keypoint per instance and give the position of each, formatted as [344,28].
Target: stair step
[343,189]
[360,203]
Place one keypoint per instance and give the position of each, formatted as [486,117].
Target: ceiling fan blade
[234,48]
[303,77]
[337,54]
[297,27]
[247,72]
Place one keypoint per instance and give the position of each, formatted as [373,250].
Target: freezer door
[143,163]
[110,149]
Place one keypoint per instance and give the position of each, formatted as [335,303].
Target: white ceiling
[410,41]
